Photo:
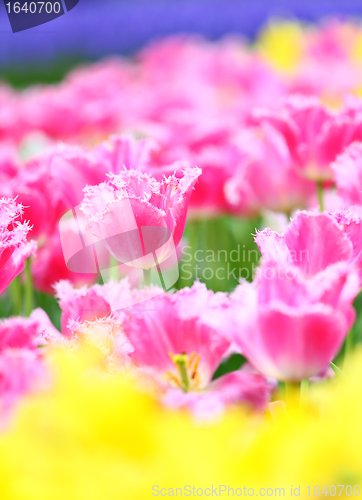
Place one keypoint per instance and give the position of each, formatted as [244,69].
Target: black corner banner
[25,14]
[70,4]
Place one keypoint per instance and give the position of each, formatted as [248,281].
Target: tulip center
[100,333]
[186,375]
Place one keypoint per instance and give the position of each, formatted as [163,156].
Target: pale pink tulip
[28,333]
[246,386]
[293,320]
[174,344]
[89,304]
[80,305]
[265,178]
[348,177]
[89,102]
[22,369]
[21,372]
[311,244]
[290,327]
[314,135]
[106,335]
[73,168]
[138,218]
[352,227]
[331,43]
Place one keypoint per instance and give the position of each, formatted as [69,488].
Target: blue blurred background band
[96,28]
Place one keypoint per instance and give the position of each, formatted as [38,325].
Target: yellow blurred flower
[97,436]
[281,44]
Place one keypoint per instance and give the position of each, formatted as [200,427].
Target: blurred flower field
[181,266]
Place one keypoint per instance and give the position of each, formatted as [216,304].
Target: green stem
[16,296]
[147,277]
[320,195]
[28,291]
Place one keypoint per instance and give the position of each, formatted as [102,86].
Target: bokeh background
[99,28]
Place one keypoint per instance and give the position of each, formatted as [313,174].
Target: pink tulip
[174,345]
[70,169]
[37,184]
[14,248]
[201,78]
[332,40]
[22,368]
[49,267]
[73,168]
[124,151]
[28,333]
[21,372]
[218,163]
[79,305]
[200,121]
[217,160]
[314,242]
[246,386]
[293,320]
[89,102]
[137,218]
[31,185]
[106,335]
[352,228]
[314,135]
[9,161]
[88,304]
[52,183]
[331,43]
[265,177]
[290,327]
[348,177]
